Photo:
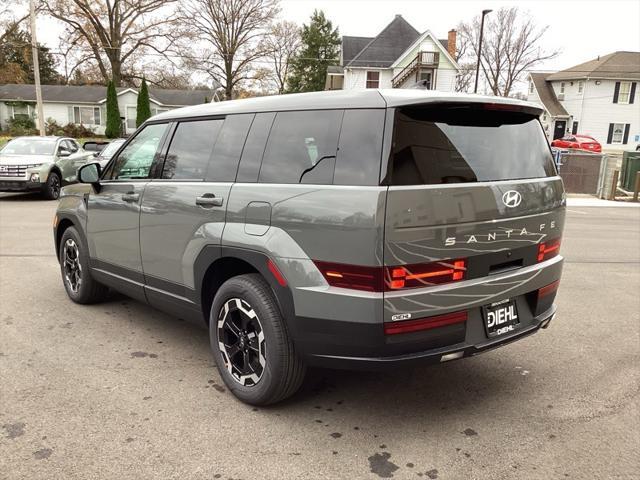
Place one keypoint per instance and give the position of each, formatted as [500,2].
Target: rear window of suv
[459,144]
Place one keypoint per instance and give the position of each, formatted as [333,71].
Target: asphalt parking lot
[120,390]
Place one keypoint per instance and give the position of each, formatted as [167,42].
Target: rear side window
[254,147]
[359,149]
[302,147]
[226,154]
[467,144]
[190,150]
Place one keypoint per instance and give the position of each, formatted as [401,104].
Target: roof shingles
[95,94]
[385,49]
[616,65]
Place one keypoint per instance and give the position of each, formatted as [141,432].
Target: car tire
[245,317]
[51,189]
[74,268]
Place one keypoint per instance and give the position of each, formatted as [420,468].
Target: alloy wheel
[241,341]
[71,265]
[55,186]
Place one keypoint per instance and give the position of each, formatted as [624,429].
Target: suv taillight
[425,275]
[392,278]
[548,249]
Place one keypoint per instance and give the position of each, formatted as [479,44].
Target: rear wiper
[314,166]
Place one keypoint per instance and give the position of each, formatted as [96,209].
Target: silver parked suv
[352,229]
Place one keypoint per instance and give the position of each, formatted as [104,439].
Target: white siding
[594,110]
[356,78]
[545,118]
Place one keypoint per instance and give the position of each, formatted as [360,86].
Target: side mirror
[89,173]
[63,152]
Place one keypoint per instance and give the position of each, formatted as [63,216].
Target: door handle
[209,200]
[131,197]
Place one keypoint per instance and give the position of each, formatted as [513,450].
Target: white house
[398,57]
[596,98]
[86,105]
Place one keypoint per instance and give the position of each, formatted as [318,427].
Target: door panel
[113,219]
[174,228]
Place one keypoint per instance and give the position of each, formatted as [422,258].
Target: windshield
[111,148]
[467,144]
[29,146]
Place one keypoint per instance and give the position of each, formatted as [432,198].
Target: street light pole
[36,67]
[484,12]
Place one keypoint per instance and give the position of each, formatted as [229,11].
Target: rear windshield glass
[467,144]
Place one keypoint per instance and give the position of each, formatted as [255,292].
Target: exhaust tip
[451,356]
[545,323]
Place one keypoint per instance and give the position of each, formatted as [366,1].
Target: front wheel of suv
[74,266]
[251,346]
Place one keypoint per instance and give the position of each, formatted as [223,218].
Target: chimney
[451,43]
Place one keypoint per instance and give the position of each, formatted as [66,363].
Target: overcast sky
[581,29]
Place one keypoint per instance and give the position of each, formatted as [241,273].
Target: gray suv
[360,229]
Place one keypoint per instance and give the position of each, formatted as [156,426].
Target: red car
[577,142]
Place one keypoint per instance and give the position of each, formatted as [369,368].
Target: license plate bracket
[500,318]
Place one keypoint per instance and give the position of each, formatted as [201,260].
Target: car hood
[25,159]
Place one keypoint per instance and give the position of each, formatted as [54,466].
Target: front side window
[302,147]
[625,92]
[190,150]
[618,133]
[467,144]
[134,162]
[373,79]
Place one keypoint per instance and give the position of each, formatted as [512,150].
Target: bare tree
[282,44]
[464,79]
[511,46]
[231,32]
[114,31]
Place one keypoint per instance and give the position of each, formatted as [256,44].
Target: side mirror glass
[63,152]
[89,173]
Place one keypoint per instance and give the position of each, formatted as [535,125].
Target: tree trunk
[116,72]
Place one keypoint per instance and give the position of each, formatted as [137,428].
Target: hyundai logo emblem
[511,198]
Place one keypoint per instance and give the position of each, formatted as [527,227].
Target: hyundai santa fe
[347,229]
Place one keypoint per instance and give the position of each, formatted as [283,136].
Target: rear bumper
[19,186]
[430,356]
[348,331]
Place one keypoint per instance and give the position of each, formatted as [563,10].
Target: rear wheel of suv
[51,189]
[252,348]
[74,266]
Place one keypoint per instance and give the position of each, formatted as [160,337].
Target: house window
[156,111]
[131,117]
[618,133]
[580,87]
[625,92]
[544,116]
[561,94]
[85,115]
[373,79]
[425,77]
[20,111]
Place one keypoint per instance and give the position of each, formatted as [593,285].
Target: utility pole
[36,67]
[484,12]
